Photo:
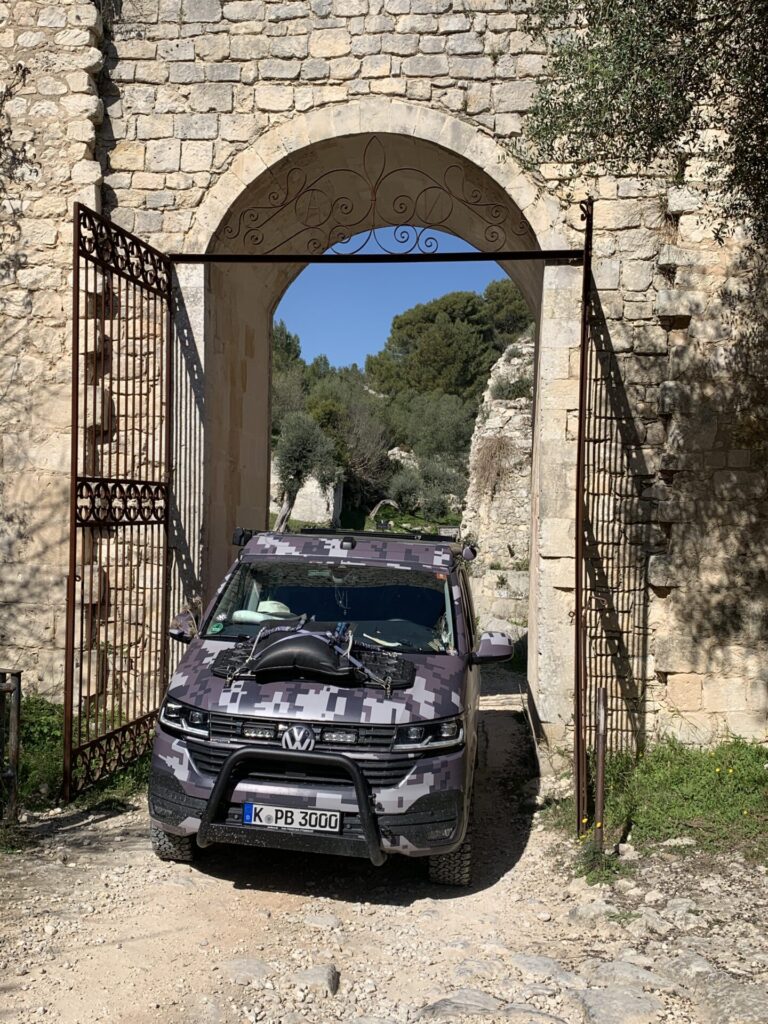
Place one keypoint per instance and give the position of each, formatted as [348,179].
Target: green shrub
[41,753]
[506,390]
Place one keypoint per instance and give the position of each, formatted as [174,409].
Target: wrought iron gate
[613,534]
[117,593]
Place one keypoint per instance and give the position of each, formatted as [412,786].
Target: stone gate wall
[168,98]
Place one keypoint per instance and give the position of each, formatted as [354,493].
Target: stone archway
[225,314]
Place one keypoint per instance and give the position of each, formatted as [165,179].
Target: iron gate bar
[580,653]
[517,255]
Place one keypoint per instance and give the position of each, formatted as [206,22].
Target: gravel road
[94,928]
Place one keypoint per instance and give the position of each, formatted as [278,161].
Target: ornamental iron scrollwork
[106,754]
[118,250]
[343,210]
[104,502]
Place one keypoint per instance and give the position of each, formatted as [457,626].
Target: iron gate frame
[115,503]
[576,256]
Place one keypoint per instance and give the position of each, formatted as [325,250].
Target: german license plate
[296,819]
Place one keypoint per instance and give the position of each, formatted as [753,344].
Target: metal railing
[10,733]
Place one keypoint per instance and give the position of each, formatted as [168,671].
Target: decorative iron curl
[118,251]
[100,757]
[325,216]
[102,502]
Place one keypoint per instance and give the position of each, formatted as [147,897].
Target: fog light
[339,736]
[449,730]
[259,732]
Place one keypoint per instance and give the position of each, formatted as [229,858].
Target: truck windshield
[398,609]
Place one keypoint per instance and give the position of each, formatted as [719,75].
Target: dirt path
[94,928]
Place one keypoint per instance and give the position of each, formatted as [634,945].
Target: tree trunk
[281,523]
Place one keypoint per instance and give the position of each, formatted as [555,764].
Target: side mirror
[183,628]
[492,647]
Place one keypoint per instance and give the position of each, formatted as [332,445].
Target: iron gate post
[580,647]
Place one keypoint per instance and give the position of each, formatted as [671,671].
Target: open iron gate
[117,592]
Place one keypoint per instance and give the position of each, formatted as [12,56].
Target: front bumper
[426,813]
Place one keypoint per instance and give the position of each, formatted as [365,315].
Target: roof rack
[380,534]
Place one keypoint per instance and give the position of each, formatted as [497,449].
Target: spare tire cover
[298,654]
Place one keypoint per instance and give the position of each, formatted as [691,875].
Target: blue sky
[345,312]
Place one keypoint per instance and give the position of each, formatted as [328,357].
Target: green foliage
[405,488]
[450,343]
[286,347]
[421,393]
[503,388]
[718,797]
[303,449]
[41,754]
[631,83]
[42,758]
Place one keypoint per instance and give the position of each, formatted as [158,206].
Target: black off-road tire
[454,868]
[169,847]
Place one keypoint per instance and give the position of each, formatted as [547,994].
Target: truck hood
[437,692]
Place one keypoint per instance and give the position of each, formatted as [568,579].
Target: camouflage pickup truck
[328,704]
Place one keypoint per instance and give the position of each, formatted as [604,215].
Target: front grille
[369,737]
[383,773]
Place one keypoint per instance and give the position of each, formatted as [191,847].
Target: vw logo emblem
[298,737]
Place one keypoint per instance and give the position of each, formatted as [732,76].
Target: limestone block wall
[196,95]
[497,509]
[52,119]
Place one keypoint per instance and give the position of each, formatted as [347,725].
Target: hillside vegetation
[419,395]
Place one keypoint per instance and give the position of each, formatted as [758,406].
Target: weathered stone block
[683,200]
[176,49]
[471,67]
[244,10]
[514,97]
[196,156]
[723,694]
[285,69]
[402,45]
[377,66]
[163,155]
[196,126]
[154,126]
[333,42]
[202,10]
[672,303]
[426,65]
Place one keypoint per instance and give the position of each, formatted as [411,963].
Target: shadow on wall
[185,528]
[34,442]
[713,583]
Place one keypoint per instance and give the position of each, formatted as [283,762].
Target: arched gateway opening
[308,189]
[171,389]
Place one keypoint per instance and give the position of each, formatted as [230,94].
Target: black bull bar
[212,830]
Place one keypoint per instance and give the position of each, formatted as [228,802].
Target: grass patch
[42,760]
[598,867]
[718,797]
[418,524]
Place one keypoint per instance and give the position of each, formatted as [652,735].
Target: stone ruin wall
[497,507]
[167,103]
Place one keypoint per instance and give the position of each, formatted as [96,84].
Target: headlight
[430,735]
[179,718]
